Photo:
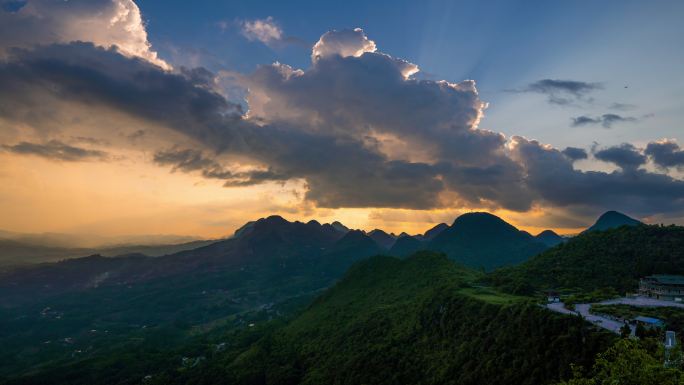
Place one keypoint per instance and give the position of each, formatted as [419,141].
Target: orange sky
[134,196]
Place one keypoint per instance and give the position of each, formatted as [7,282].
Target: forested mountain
[612,220]
[614,258]
[483,240]
[411,321]
[269,262]
[549,238]
[423,319]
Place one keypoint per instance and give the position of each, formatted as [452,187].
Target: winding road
[583,310]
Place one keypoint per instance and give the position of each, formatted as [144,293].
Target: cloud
[622,106]
[355,129]
[263,30]
[106,23]
[347,42]
[190,160]
[665,153]
[574,153]
[563,92]
[56,150]
[625,156]
[551,175]
[606,120]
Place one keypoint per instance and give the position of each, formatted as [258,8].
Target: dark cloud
[606,120]
[331,126]
[625,156]
[551,175]
[575,153]
[665,153]
[56,150]
[563,92]
[190,160]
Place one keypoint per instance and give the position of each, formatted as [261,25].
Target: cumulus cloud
[563,92]
[606,120]
[665,153]
[347,42]
[625,156]
[263,30]
[55,150]
[107,23]
[575,153]
[337,127]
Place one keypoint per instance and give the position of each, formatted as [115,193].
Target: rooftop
[649,320]
[667,279]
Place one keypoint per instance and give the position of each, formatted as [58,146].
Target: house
[649,322]
[552,297]
[664,287]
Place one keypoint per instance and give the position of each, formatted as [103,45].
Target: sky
[191,118]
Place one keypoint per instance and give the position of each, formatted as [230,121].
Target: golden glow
[134,196]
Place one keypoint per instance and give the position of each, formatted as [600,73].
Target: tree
[625,331]
[627,363]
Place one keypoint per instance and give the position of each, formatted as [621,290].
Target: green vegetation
[628,362]
[388,321]
[416,321]
[611,259]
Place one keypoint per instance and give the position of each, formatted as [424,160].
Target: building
[665,287]
[552,297]
[649,322]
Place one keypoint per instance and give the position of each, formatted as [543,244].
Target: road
[583,310]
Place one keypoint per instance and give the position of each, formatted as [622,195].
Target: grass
[490,295]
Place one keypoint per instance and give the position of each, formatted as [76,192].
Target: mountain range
[271,269]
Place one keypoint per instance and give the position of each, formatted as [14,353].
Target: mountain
[21,252]
[382,238]
[549,238]
[260,271]
[485,240]
[410,321]
[611,220]
[435,231]
[611,259]
[339,227]
[406,245]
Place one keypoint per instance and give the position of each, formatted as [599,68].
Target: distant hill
[270,263]
[549,238]
[611,220]
[16,252]
[271,246]
[407,245]
[382,238]
[485,240]
[435,231]
[614,258]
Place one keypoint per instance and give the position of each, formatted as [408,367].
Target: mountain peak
[612,219]
[480,219]
[435,231]
[382,238]
[274,219]
[339,227]
[549,238]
